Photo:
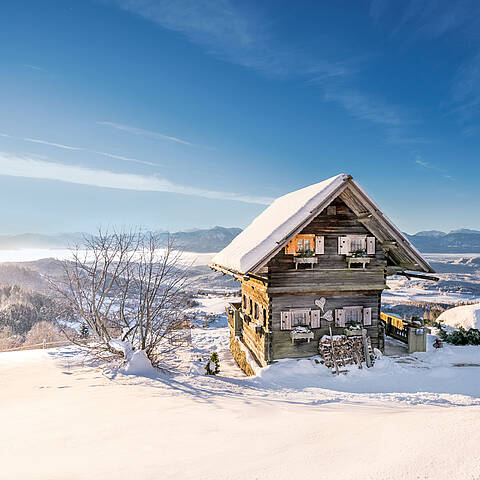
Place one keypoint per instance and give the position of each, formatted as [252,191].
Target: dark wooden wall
[282,346]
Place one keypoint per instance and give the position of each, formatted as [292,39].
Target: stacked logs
[347,350]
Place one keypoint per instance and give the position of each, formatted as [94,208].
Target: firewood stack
[347,350]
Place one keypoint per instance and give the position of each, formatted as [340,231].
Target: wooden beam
[237,275]
[410,275]
[326,288]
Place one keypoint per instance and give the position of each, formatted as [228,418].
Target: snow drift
[136,361]
[466,316]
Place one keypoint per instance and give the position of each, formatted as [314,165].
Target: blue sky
[176,114]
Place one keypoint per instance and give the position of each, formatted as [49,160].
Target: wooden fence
[37,346]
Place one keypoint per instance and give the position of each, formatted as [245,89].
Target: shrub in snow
[43,331]
[136,362]
[8,339]
[461,336]
[213,364]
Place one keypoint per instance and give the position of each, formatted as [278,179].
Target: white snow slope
[409,417]
[466,316]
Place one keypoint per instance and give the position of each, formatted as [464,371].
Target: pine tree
[84,332]
[213,364]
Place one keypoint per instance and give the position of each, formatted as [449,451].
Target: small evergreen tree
[84,332]
[213,364]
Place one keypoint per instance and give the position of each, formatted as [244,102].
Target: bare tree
[127,287]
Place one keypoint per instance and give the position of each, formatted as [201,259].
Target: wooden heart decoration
[328,316]
[320,303]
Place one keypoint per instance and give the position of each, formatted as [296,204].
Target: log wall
[282,345]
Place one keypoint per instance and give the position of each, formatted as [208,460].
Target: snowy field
[32,254]
[459,282]
[408,417]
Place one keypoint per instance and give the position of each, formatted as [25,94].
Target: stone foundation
[244,361]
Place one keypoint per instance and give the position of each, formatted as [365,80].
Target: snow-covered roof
[274,224]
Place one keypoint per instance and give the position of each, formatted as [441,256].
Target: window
[331,210]
[303,245]
[357,244]
[293,318]
[300,243]
[264,318]
[256,311]
[251,307]
[353,314]
[300,317]
[244,302]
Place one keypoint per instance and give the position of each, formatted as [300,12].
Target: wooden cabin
[315,258]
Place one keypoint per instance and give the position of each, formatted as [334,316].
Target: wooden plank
[316,288]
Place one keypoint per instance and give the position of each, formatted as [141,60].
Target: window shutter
[367,316]
[370,245]
[285,321]
[309,317]
[291,247]
[319,245]
[343,246]
[315,319]
[339,317]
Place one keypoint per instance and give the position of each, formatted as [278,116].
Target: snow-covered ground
[466,316]
[32,254]
[459,282]
[408,417]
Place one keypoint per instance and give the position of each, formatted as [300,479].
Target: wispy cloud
[430,166]
[466,89]
[393,119]
[235,34]
[361,106]
[34,67]
[146,133]
[30,167]
[79,149]
[427,18]
[432,19]
[51,144]
[242,36]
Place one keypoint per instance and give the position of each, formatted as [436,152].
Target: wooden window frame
[300,311]
[362,238]
[356,308]
[292,248]
[331,210]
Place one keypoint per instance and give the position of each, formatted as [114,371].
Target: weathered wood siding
[330,278]
[345,222]
[282,345]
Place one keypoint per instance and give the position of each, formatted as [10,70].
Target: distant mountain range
[203,241]
[456,241]
[214,239]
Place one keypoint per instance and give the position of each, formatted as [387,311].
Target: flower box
[301,333]
[307,260]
